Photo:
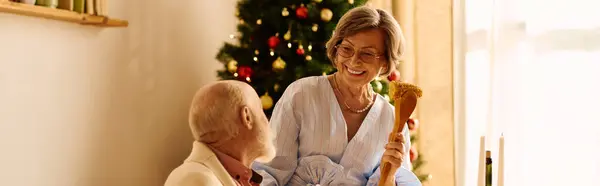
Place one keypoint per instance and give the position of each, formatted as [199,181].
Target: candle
[501,161]
[481,175]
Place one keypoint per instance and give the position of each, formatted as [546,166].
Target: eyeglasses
[348,51]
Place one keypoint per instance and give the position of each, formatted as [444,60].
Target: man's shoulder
[192,173]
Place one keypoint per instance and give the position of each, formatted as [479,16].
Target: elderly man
[231,131]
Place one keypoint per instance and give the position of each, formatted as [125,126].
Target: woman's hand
[394,155]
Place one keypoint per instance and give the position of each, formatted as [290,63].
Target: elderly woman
[333,130]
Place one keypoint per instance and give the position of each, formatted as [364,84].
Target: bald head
[215,111]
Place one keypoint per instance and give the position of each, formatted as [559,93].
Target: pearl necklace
[336,88]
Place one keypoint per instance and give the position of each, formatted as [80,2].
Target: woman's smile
[355,72]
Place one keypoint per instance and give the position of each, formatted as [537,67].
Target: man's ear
[246,117]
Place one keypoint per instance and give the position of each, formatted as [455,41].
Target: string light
[289,45]
[272,53]
[248,79]
[235,74]
[256,59]
[256,52]
[309,47]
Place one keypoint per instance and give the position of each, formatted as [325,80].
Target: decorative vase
[47,3]
[31,2]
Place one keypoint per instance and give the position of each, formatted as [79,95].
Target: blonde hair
[213,113]
[363,18]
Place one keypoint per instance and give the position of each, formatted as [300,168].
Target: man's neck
[240,154]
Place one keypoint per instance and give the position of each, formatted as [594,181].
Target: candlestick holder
[485,166]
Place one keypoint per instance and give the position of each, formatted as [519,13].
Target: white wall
[85,106]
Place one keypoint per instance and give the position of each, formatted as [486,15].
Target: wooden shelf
[59,14]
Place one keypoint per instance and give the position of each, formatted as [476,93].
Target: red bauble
[394,76]
[413,124]
[244,71]
[302,12]
[300,51]
[273,41]
[413,154]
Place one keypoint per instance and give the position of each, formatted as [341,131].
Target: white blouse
[312,142]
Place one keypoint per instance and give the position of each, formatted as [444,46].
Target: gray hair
[214,112]
[363,18]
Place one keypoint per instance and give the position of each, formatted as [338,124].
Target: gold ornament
[276,87]
[318,1]
[278,64]
[308,58]
[285,12]
[267,101]
[288,35]
[232,66]
[351,1]
[259,22]
[326,14]
[315,27]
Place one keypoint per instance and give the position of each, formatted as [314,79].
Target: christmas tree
[280,41]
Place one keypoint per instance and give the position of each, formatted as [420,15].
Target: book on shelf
[65,4]
[89,7]
[79,6]
[101,7]
[92,7]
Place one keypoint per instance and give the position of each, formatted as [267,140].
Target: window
[531,70]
